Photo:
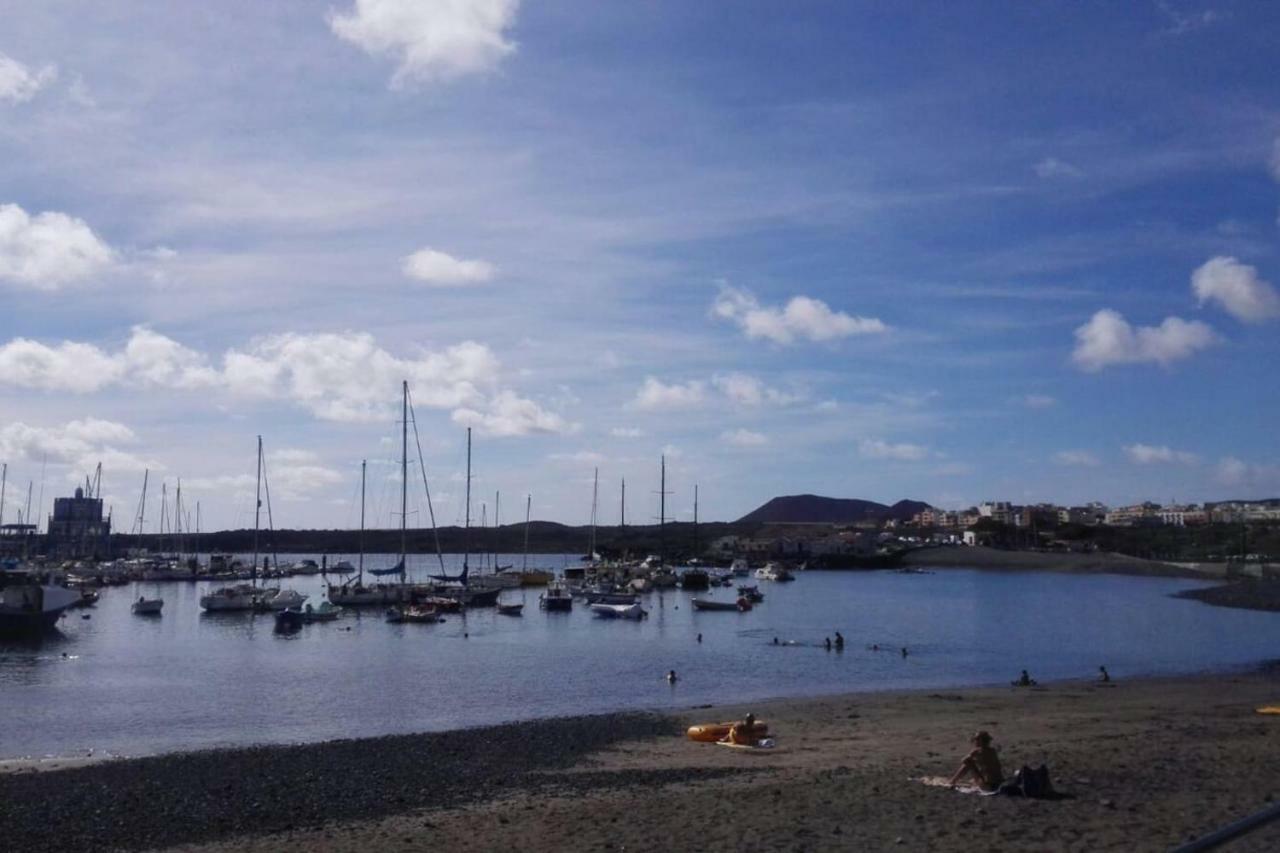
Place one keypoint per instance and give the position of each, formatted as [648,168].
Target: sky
[944,251]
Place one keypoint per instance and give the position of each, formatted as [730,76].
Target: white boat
[740,568]
[281,600]
[148,606]
[242,596]
[28,606]
[773,572]
[325,611]
[305,567]
[618,611]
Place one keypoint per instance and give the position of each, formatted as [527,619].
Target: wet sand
[1146,764]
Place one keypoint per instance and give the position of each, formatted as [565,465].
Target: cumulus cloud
[1147,454]
[654,395]
[801,317]
[585,457]
[1039,401]
[747,390]
[336,376]
[1108,339]
[626,432]
[48,250]
[1274,162]
[744,438]
[441,270]
[432,41]
[1236,473]
[1076,459]
[876,449]
[79,443]
[298,475]
[507,414]
[1052,167]
[1237,289]
[19,84]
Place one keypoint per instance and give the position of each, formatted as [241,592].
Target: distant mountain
[815,509]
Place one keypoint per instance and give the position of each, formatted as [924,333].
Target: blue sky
[950,251]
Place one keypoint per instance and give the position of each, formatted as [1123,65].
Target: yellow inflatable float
[712,732]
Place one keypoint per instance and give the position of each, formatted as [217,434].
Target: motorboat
[288,620]
[556,597]
[87,597]
[231,598]
[741,604]
[511,609]
[284,599]
[28,606]
[414,613]
[325,611]
[695,579]
[305,567]
[618,611]
[751,593]
[148,606]
[773,572]
[342,567]
[624,598]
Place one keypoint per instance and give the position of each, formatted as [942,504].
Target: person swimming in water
[827,643]
[839,641]
[672,677]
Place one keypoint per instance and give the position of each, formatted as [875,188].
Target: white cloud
[626,432]
[586,457]
[431,39]
[1076,459]
[1109,339]
[1274,162]
[747,390]
[802,317]
[877,449]
[1147,454]
[655,395]
[1237,288]
[744,438]
[335,376]
[79,443]
[506,414]
[17,82]
[1236,473]
[48,250]
[436,268]
[1052,167]
[1039,401]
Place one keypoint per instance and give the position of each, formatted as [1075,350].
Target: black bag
[1032,783]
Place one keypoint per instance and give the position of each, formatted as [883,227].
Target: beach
[1100,562]
[1144,765]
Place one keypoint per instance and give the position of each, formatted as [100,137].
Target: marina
[120,684]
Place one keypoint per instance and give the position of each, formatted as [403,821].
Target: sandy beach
[1146,764]
[997,559]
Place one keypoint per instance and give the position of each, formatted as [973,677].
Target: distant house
[77,529]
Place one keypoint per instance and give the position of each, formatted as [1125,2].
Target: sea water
[130,685]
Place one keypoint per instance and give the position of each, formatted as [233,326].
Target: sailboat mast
[361,540]
[195,547]
[695,521]
[662,515]
[528,505]
[622,515]
[4,482]
[595,496]
[466,528]
[257,513]
[404,478]
[497,503]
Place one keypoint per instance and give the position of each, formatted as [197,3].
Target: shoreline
[1160,758]
[995,559]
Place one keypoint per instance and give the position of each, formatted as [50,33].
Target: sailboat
[464,593]
[243,596]
[356,594]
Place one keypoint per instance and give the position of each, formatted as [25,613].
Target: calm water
[133,685]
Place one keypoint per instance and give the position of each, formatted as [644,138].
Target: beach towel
[944,782]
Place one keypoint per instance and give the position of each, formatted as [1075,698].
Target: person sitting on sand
[983,763]
[743,733]
[1103,676]
[1024,680]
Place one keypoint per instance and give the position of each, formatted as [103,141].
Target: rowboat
[148,606]
[510,609]
[740,605]
[618,611]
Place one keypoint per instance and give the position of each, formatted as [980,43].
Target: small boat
[414,613]
[618,611]
[740,568]
[442,604]
[611,598]
[741,605]
[773,572]
[342,567]
[289,620]
[148,606]
[325,611]
[284,599]
[751,593]
[305,567]
[695,579]
[238,597]
[556,597]
[29,607]
[713,732]
[510,609]
[88,597]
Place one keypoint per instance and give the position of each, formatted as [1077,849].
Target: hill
[799,509]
